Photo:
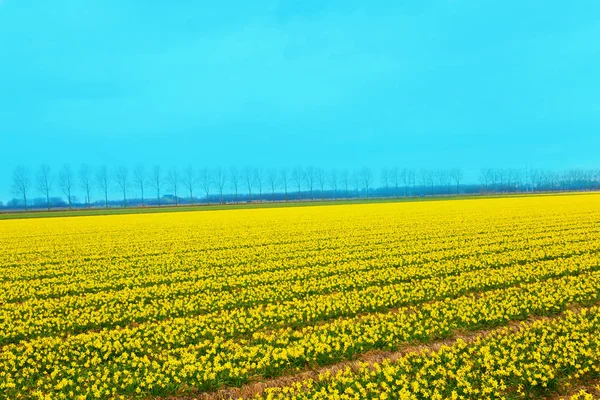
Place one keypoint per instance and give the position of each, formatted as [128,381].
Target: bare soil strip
[254,389]
[589,386]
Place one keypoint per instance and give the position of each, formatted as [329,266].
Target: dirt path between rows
[253,389]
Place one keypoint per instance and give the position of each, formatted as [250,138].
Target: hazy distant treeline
[95,187]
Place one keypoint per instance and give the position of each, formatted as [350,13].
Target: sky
[274,83]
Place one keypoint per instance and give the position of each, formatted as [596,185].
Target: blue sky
[273,83]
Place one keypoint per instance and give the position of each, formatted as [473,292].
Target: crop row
[534,360]
[121,360]
[108,309]
[147,271]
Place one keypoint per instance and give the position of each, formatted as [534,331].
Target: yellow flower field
[192,303]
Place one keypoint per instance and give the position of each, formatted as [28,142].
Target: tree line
[157,187]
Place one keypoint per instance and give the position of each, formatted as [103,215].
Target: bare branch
[85,181]
[44,182]
[139,179]
[21,183]
[103,178]
[66,183]
[122,181]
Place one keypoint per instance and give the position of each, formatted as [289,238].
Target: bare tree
[536,179]
[284,174]
[585,179]
[66,182]
[139,180]
[332,178]
[427,179]
[259,180]
[412,178]
[234,179]
[552,179]
[526,178]
[442,178]
[206,182]
[345,178]
[595,178]
[423,180]
[173,180]
[385,180]
[394,177]
[44,182]
[220,180]
[405,179]
[272,180]
[189,181]
[298,177]
[103,178]
[573,176]
[457,176]
[248,177]
[580,179]
[367,177]
[495,178]
[500,176]
[310,175]
[513,179]
[21,183]
[431,179]
[447,175]
[156,181]
[122,180]
[486,177]
[355,178]
[321,181]
[85,181]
